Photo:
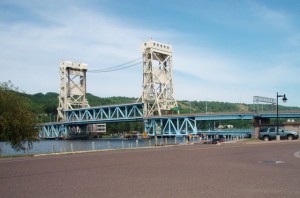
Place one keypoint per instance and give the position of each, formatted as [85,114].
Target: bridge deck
[164,125]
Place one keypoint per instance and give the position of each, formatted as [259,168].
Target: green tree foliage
[97,101]
[45,103]
[17,121]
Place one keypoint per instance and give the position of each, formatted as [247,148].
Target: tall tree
[17,122]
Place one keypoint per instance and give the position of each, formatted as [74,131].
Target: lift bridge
[156,107]
[78,120]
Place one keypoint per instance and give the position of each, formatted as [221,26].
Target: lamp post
[284,99]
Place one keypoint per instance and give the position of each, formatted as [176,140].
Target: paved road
[228,170]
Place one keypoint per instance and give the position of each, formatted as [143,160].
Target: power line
[115,68]
[118,67]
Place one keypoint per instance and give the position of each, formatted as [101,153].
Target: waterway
[57,146]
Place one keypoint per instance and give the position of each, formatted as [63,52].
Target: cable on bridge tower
[119,67]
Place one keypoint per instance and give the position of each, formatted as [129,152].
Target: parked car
[269,133]
[217,140]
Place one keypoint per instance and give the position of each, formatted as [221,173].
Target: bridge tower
[158,88]
[72,87]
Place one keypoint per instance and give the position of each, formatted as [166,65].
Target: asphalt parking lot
[226,170]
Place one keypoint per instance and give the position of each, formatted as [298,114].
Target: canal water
[57,146]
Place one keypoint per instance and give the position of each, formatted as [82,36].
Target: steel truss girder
[170,126]
[280,115]
[61,130]
[229,116]
[245,116]
[112,113]
[161,125]
[52,130]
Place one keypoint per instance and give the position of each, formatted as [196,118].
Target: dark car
[217,140]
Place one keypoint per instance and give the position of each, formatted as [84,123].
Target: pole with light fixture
[284,99]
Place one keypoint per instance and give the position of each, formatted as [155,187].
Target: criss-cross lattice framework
[72,87]
[158,89]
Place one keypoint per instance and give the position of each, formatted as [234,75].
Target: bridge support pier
[258,122]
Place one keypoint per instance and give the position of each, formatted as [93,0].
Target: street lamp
[284,99]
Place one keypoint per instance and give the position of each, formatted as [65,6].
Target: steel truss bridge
[78,120]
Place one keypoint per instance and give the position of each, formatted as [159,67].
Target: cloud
[32,48]
[206,74]
[79,35]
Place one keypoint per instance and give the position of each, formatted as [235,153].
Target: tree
[17,122]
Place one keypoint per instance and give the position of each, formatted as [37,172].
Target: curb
[164,146]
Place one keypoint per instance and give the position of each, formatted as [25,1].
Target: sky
[225,51]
